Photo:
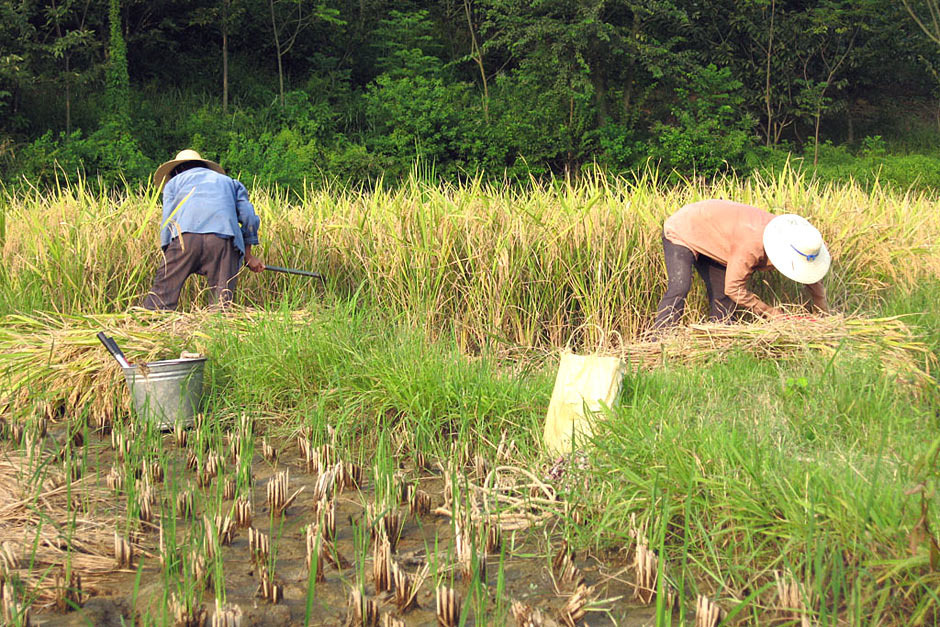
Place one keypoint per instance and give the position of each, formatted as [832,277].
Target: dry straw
[900,351]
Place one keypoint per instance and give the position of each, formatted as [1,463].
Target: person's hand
[254,263]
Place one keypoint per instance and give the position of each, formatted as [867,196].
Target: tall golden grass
[491,262]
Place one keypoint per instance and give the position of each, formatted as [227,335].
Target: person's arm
[738,272]
[249,222]
[817,292]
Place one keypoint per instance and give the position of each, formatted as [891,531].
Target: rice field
[368,452]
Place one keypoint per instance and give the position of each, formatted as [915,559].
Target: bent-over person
[208,228]
[726,242]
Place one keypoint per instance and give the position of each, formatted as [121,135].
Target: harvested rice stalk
[268,588]
[382,563]
[152,471]
[180,435]
[12,611]
[420,504]
[121,444]
[565,571]
[200,568]
[242,512]
[304,433]
[69,593]
[315,551]
[707,612]
[226,615]
[220,528]
[575,608]
[307,455]
[480,467]
[472,563]
[229,488]
[184,503]
[145,501]
[351,476]
[448,607]
[325,513]
[391,621]
[526,616]
[115,478]
[326,485]
[259,546]
[390,524]
[361,611]
[184,614]
[792,599]
[268,452]
[324,458]
[645,564]
[406,587]
[278,500]
[123,552]
[493,535]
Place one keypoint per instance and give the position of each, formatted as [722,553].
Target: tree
[289,18]
[67,22]
[117,88]
[832,29]
[927,15]
[225,14]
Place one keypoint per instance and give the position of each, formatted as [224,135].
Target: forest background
[295,92]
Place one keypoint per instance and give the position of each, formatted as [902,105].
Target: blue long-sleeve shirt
[201,200]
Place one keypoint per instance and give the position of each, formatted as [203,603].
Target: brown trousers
[205,254]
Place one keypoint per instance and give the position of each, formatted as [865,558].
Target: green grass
[740,468]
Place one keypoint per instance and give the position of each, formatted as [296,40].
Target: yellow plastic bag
[584,384]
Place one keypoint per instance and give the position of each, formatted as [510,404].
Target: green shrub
[710,132]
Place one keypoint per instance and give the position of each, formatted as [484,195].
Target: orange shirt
[731,233]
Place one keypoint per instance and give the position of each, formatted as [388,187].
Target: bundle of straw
[901,352]
[57,362]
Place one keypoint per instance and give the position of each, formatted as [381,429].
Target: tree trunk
[770,47]
[816,138]
[225,57]
[478,57]
[68,98]
[628,87]
[277,47]
[850,130]
[600,93]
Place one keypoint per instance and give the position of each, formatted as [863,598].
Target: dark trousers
[205,254]
[679,264]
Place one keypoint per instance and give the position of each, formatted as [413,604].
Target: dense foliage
[293,90]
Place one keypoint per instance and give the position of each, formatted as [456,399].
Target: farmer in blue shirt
[208,226]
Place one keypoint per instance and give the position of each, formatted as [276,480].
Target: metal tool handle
[114,349]
[314,275]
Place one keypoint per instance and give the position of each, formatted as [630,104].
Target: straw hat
[163,172]
[796,248]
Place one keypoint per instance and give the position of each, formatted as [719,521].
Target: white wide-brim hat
[796,248]
[160,176]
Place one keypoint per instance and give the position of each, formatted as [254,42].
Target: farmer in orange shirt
[726,242]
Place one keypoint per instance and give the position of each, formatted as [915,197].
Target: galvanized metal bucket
[167,392]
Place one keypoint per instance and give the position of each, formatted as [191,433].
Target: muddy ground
[526,576]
